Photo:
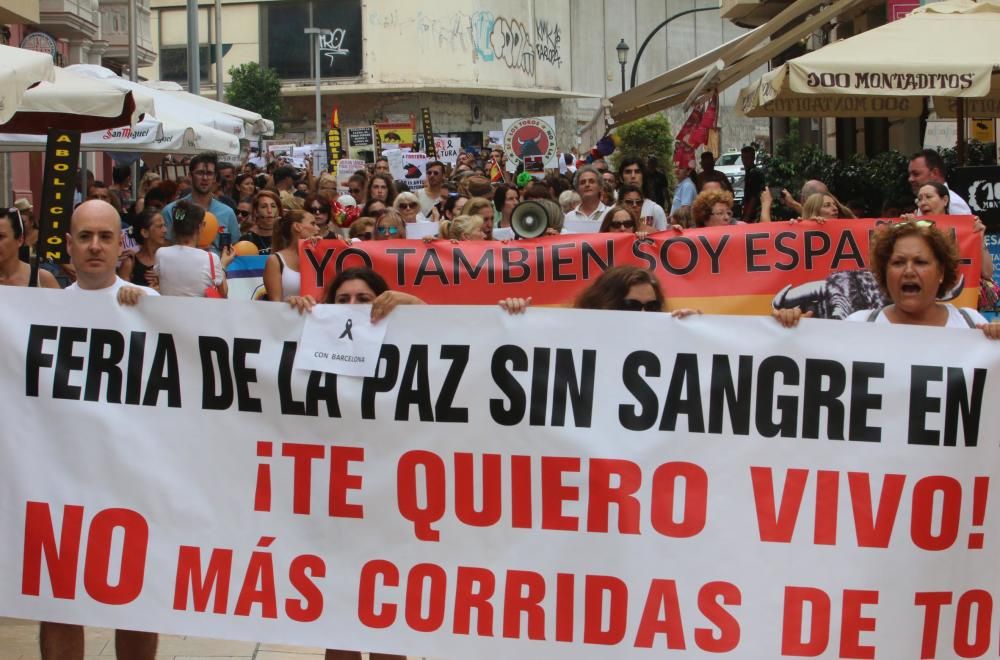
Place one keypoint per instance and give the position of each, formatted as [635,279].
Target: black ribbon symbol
[347,331]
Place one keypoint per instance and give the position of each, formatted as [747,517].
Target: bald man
[94,244]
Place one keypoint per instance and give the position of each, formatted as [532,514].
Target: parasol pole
[960,115]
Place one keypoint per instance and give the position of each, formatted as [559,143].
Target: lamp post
[319,102]
[622,49]
[635,65]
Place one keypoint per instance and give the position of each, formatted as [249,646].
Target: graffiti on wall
[332,44]
[547,39]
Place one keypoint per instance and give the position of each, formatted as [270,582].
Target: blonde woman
[463,228]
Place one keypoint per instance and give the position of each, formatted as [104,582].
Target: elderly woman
[713,208]
[408,206]
[914,263]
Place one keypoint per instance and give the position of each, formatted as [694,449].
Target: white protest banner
[345,168]
[558,484]
[530,136]
[415,169]
[448,148]
[395,160]
[340,339]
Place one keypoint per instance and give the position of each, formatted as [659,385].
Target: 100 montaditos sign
[503,486]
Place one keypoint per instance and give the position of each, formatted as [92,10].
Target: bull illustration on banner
[530,137]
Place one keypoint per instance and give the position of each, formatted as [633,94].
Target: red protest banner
[737,269]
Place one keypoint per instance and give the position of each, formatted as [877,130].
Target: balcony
[114,30]
[19,12]
[70,19]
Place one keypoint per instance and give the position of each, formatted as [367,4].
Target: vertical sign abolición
[62,157]
[425,116]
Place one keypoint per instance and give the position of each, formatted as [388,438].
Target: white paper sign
[415,170]
[395,158]
[345,168]
[447,149]
[421,229]
[340,339]
[581,226]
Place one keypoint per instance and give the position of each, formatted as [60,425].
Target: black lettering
[580,391]
[214,353]
[921,404]
[643,417]
[319,266]
[100,364]
[508,384]
[373,385]
[590,256]
[164,374]
[766,400]
[684,380]
[847,250]
[36,358]
[400,254]
[787,250]
[957,401]
[559,261]
[67,362]
[415,387]
[430,266]
[737,398]
[817,396]
[752,252]
[862,401]
[460,264]
[444,411]
[244,375]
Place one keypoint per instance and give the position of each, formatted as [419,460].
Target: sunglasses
[387,231]
[618,224]
[632,202]
[318,209]
[242,213]
[13,213]
[923,224]
[633,305]
[376,214]
[406,205]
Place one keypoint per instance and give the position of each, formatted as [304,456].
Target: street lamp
[622,49]
[319,103]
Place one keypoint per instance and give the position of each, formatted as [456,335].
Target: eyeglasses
[387,231]
[618,224]
[405,206]
[243,213]
[204,173]
[632,202]
[633,305]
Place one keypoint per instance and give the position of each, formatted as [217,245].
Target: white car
[731,165]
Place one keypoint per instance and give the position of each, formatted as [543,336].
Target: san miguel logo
[125,133]
[530,137]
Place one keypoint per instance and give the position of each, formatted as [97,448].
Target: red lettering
[420,575]
[664,495]
[258,585]
[523,594]
[310,606]
[132,563]
[603,493]
[711,599]
[465,490]
[520,482]
[189,578]
[342,481]
[565,591]
[853,624]
[61,560]
[931,601]
[922,520]
[554,493]
[406,492]
[473,589]
[661,614]
[303,455]
[979,644]
[792,642]
[874,530]
[827,493]
[595,587]
[386,615]
[776,525]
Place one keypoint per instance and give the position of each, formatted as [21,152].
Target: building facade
[472,63]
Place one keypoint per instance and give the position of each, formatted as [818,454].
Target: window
[288,49]
[173,63]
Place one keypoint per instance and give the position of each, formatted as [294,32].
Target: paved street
[19,641]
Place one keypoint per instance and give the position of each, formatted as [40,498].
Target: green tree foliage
[649,136]
[256,89]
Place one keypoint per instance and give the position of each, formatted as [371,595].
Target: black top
[263,243]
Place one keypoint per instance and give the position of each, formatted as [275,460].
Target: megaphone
[530,219]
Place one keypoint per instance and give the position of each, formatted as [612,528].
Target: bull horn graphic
[799,295]
[538,137]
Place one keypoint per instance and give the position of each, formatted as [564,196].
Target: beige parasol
[947,49]
[20,69]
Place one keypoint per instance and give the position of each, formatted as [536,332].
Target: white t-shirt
[596,217]
[426,201]
[113,289]
[955,319]
[651,209]
[186,271]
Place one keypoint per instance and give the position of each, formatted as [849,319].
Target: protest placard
[517,491]
[530,136]
[448,148]
[737,269]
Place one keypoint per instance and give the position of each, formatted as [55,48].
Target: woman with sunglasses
[266,212]
[13,271]
[620,220]
[381,188]
[915,264]
[244,214]
[630,197]
[281,270]
[408,206]
[389,226]
[319,206]
[627,288]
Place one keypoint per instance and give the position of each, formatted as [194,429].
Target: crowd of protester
[178,236]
